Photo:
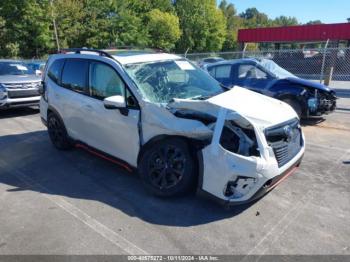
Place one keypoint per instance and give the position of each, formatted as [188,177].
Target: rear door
[222,73]
[72,95]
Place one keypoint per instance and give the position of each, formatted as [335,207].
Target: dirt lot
[55,202]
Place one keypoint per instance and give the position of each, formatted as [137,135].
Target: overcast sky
[328,11]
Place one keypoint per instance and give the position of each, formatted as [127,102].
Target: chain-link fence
[324,64]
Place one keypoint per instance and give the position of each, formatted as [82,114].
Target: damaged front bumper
[234,179]
[322,104]
[260,185]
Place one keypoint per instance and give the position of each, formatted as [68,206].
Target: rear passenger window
[223,71]
[75,75]
[55,70]
[104,81]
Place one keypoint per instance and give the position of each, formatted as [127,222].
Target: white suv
[160,114]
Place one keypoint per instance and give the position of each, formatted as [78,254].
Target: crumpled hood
[308,83]
[8,79]
[258,109]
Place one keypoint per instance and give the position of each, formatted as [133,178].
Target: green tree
[233,23]
[203,25]
[69,15]
[27,27]
[142,7]
[285,21]
[97,24]
[253,18]
[164,29]
[2,35]
[314,22]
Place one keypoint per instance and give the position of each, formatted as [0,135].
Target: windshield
[160,82]
[275,69]
[15,68]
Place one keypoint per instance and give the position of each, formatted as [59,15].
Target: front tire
[58,133]
[167,168]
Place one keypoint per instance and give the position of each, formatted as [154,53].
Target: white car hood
[259,109]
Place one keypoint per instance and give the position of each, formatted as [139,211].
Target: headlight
[3,92]
[312,104]
[238,140]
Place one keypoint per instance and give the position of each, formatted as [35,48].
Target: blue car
[37,66]
[264,76]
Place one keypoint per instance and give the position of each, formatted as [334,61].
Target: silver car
[19,85]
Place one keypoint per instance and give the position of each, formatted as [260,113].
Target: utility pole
[54,26]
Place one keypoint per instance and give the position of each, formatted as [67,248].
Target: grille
[22,90]
[21,93]
[21,85]
[285,140]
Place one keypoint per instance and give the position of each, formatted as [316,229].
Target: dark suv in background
[19,85]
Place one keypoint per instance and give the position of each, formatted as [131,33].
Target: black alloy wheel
[167,168]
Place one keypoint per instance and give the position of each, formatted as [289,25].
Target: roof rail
[79,50]
[131,47]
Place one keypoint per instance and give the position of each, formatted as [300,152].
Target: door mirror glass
[114,102]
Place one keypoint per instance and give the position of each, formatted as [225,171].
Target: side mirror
[42,88]
[114,102]
[38,72]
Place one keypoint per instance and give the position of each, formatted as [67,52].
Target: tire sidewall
[188,178]
[295,105]
[65,143]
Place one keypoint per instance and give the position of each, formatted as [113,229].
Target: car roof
[10,61]
[235,61]
[36,63]
[125,57]
[145,57]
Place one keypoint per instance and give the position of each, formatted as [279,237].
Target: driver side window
[104,81]
[250,72]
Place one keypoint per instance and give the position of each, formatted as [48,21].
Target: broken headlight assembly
[239,140]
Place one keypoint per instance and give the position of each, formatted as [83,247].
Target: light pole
[54,26]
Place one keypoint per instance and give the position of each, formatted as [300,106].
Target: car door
[71,96]
[252,77]
[222,73]
[113,131]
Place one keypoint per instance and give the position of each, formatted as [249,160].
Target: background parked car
[19,85]
[266,77]
[209,60]
[37,67]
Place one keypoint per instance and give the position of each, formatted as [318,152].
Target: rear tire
[167,168]
[295,105]
[58,133]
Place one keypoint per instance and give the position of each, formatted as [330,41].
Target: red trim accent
[283,178]
[88,149]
